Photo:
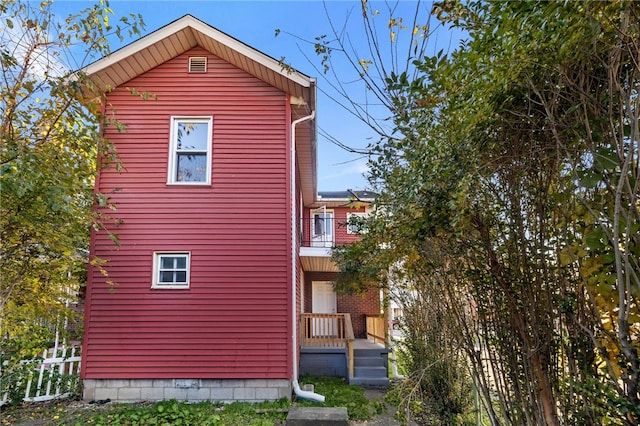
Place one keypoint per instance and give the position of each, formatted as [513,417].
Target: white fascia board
[248,51]
[136,46]
[207,30]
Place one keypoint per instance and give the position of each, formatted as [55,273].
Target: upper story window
[355,223]
[171,270]
[190,150]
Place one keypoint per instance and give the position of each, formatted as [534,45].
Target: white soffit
[157,37]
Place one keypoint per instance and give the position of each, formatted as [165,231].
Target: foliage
[438,390]
[16,375]
[509,195]
[160,413]
[338,393]
[336,390]
[181,413]
[14,379]
[48,153]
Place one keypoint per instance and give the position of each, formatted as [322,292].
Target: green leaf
[589,179]
[594,240]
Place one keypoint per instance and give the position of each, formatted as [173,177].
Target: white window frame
[157,256]
[172,175]
[349,216]
[323,239]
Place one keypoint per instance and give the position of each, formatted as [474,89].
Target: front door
[323,301]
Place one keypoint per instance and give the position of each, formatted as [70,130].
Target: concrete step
[369,372]
[382,382]
[369,361]
[370,352]
[317,416]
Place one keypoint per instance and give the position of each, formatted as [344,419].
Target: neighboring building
[222,261]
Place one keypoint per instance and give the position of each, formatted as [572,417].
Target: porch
[328,348]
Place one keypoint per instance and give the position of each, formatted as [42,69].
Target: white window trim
[358,214]
[332,221]
[156,270]
[323,239]
[173,155]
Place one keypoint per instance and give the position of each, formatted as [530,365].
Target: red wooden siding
[233,321]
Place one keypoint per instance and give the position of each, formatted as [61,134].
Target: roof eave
[189,22]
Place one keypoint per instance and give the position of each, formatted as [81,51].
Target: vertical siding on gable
[233,320]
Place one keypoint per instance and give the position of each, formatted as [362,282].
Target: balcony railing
[328,331]
[325,231]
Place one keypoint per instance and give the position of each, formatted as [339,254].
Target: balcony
[316,239]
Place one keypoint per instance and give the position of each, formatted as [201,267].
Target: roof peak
[188,32]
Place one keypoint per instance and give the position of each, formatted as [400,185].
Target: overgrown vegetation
[508,220]
[169,412]
[338,394]
[49,143]
[17,378]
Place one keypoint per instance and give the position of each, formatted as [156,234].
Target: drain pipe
[394,364]
[392,345]
[302,394]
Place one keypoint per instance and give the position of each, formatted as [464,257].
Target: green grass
[181,413]
[337,391]
[169,413]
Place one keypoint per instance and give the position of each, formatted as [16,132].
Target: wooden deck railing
[328,331]
[376,329]
[350,339]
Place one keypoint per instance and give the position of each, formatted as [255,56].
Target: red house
[220,286]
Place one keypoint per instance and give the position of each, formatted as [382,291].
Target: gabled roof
[188,32]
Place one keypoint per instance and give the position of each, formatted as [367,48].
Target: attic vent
[197,64]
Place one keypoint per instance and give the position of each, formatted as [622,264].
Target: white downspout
[394,363]
[294,249]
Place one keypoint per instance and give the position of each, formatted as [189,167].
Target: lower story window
[171,270]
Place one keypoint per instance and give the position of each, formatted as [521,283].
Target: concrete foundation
[193,390]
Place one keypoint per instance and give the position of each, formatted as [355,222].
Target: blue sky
[255,23]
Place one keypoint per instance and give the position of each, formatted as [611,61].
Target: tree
[509,188]
[48,162]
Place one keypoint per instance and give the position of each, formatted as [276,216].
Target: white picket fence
[52,376]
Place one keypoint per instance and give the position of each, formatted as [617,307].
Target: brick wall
[357,305]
